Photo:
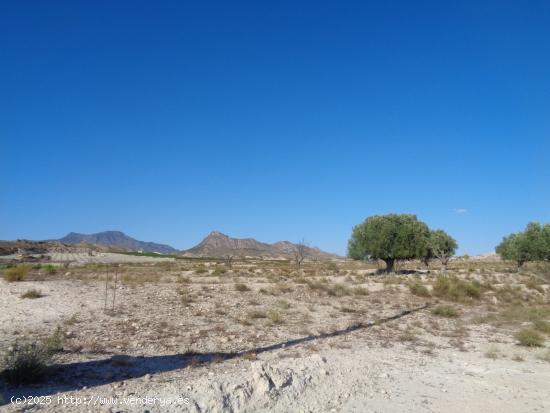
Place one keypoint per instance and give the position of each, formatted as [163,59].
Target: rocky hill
[217,244]
[117,239]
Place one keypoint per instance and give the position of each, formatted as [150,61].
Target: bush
[360,291]
[18,273]
[529,337]
[275,317]
[32,294]
[219,270]
[454,289]
[201,269]
[445,311]
[50,269]
[241,287]
[26,364]
[419,290]
[542,326]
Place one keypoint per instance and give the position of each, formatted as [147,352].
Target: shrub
[360,291]
[257,314]
[18,273]
[26,364]
[275,317]
[454,289]
[529,337]
[542,326]
[445,311]
[54,343]
[201,269]
[219,270]
[419,290]
[492,353]
[241,287]
[50,269]
[32,294]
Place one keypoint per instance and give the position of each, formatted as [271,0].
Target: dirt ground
[263,336]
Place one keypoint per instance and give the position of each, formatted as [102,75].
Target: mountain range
[215,245]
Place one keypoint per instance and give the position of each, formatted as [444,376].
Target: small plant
[201,269]
[492,353]
[32,294]
[219,270]
[185,296]
[529,338]
[419,290]
[54,343]
[50,269]
[445,311]
[360,291]
[408,335]
[18,273]
[275,317]
[283,304]
[542,326]
[241,287]
[257,314]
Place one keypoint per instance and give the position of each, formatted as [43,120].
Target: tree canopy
[441,246]
[532,244]
[391,238]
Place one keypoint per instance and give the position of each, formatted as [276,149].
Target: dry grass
[18,273]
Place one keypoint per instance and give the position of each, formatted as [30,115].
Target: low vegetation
[18,273]
[32,294]
[445,311]
[529,338]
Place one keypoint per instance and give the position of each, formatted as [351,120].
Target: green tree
[529,245]
[441,246]
[390,238]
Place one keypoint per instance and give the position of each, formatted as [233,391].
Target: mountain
[217,244]
[117,239]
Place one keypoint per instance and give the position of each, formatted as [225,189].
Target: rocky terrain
[196,336]
[220,245]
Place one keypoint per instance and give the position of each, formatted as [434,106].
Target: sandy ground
[183,355]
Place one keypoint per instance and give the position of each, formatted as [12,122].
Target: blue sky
[279,120]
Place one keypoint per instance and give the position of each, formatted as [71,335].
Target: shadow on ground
[74,376]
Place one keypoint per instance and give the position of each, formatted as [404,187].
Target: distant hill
[117,239]
[217,244]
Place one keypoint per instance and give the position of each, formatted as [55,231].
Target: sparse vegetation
[32,294]
[275,317]
[455,289]
[26,364]
[18,273]
[419,290]
[241,287]
[445,311]
[529,338]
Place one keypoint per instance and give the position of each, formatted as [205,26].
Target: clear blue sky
[275,120]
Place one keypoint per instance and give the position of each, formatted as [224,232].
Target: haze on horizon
[274,121]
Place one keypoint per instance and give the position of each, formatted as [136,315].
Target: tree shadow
[92,373]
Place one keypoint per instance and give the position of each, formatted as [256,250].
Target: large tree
[530,245]
[390,238]
[442,246]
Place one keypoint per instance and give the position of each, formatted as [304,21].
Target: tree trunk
[389,264]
